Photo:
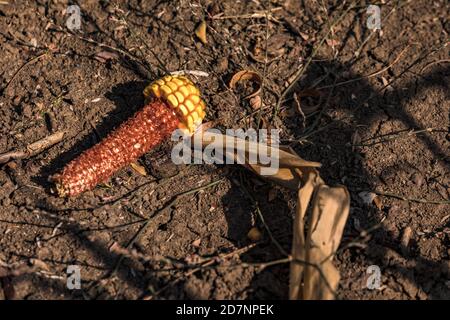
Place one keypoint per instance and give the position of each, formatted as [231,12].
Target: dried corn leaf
[330,209]
[312,180]
[285,175]
[292,169]
[312,273]
[286,159]
[320,284]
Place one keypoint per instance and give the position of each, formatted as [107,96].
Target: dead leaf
[276,48]
[200,32]
[291,169]
[254,234]
[255,102]
[196,243]
[138,168]
[247,75]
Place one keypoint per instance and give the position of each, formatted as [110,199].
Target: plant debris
[246,75]
[33,148]
[200,32]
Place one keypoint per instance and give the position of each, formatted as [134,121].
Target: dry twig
[392,195]
[33,148]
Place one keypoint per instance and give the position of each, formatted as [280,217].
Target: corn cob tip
[183,96]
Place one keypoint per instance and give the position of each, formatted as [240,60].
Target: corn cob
[171,103]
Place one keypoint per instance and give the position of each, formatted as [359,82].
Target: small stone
[254,234]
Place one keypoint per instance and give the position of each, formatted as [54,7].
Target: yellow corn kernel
[183,110]
[172,100]
[182,126]
[160,82]
[172,86]
[165,90]
[155,90]
[149,91]
[179,96]
[195,99]
[194,116]
[193,90]
[189,121]
[189,105]
[184,91]
[179,82]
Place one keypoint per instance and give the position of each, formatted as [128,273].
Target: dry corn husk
[325,210]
